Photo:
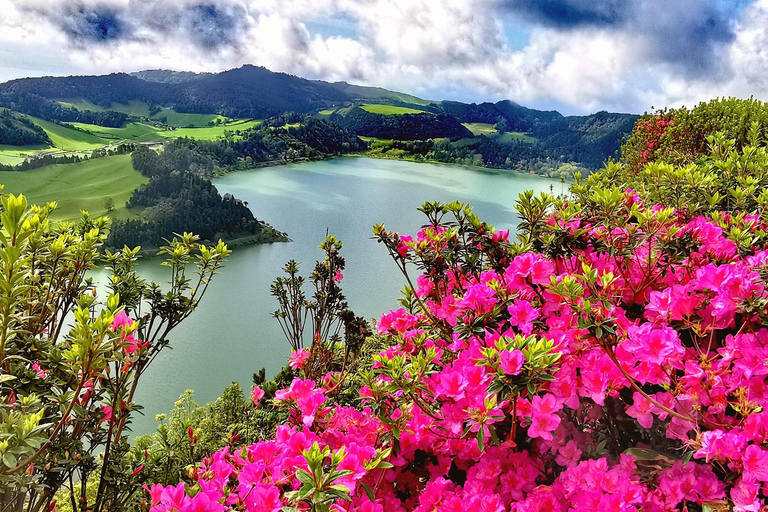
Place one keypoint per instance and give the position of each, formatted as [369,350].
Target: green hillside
[79,186]
[210,132]
[480,128]
[69,139]
[389,110]
[129,131]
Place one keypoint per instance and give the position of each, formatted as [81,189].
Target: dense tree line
[44,108]
[178,200]
[17,130]
[286,138]
[482,152]
[402,127]
[519,118]
[246,92]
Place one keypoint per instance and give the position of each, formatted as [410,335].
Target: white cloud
[455,46]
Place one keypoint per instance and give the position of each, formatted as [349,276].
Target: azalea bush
[612,356]
[70,364]
[680,136]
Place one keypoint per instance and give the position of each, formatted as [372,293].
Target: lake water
[232,334]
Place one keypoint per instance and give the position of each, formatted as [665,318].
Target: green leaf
[368,492]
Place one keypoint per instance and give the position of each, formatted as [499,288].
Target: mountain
[257,93]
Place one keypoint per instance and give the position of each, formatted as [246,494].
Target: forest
[177,199]
[17,130]
[402,127]
[180,197]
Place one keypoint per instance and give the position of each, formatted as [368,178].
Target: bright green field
[178,120]
[13,155]
[210,132]
[80,186]
[69,139]
[389,110]
[129,131]
[141,109]
[480,128]
[81,104]
[325,112]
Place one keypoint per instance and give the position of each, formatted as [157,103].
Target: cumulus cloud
[581,56]
[690,34]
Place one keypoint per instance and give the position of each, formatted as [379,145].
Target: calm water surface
[232,334]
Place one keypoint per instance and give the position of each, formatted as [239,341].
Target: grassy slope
[211,132]
[129,131]
[69,139]
[141,109]
[13,155]
[389,110]
[178,119]
[79,186]
[480,128]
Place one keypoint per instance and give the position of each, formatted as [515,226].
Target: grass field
[141,109]
[210,132]
[480,128]
[81,104]
[129,131]
[389,110]
[69,139]
[326,112]
[80,186]
[179,120]
[13,155]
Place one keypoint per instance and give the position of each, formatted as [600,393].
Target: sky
[575,56]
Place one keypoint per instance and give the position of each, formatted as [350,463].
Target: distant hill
[257,93]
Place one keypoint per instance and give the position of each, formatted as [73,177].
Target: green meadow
[69,139]
[13,155]
[210,132]
[140,109]
[480,128]
[79,186]
[389,110]
[129,131]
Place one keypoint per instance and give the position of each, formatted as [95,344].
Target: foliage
[680,136]
[405,126]
[177,199]
[612,358]
[327,313]
[66,396]
[17,130]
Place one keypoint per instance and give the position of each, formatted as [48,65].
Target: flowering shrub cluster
[66,395]
[680,136]
[612,358]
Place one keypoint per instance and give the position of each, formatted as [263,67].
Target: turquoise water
[232,334]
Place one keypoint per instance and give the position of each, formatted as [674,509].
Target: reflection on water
[232,335]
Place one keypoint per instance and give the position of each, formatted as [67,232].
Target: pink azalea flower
[512,362]
[256,394]
[522,315]
[641,410]
[298,358]
[107,411]
[41,374]
[544,421]
[755,461]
